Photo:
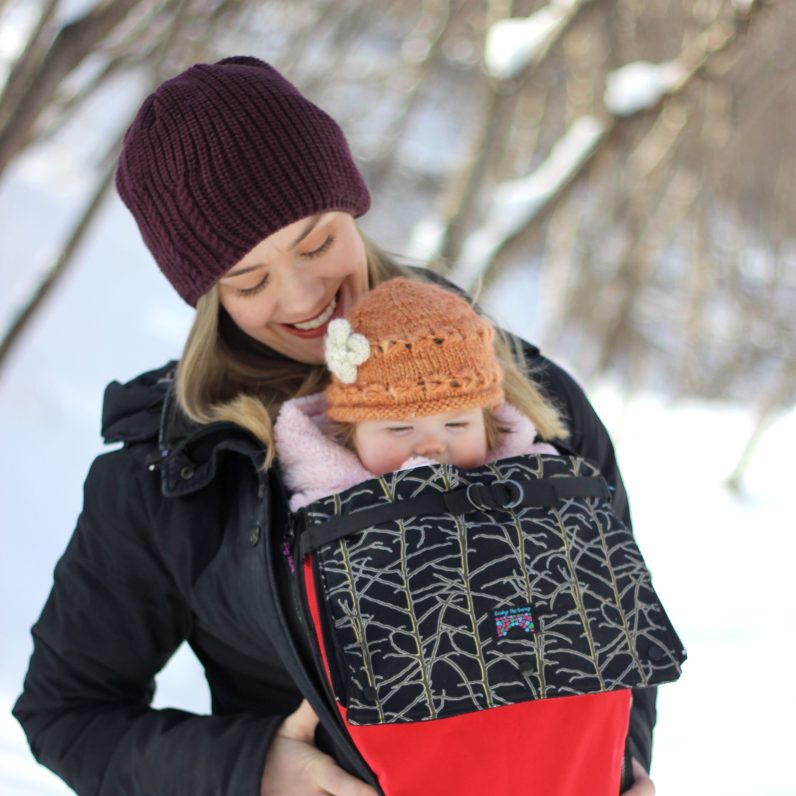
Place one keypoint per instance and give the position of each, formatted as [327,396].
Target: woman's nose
[298,293]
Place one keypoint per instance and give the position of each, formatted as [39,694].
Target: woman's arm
[112,620]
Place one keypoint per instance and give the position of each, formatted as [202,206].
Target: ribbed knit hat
[223,155]
[410,349]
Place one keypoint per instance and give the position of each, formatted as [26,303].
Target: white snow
[12,37]
[425,241]
[512,44]
[515,203]
[639,85]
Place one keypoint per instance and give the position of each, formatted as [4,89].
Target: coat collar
[187,453]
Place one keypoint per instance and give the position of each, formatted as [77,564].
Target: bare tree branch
[459,204]
[28,62]
[429,34]
[57,269]
[66,256]
[693,59]
[780,396]
[70,46]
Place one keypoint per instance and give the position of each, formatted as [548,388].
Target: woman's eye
[250,291]
[322,249]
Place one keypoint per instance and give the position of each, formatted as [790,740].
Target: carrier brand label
[514,622]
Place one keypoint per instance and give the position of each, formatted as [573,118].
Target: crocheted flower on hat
[345,350]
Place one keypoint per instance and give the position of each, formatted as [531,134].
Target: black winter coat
[179,541]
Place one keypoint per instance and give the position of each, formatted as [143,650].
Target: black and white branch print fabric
[433,616]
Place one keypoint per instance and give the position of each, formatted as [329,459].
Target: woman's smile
[316,327]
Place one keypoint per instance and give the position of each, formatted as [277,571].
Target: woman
[246,195]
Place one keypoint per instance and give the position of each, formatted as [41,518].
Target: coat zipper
[289,550]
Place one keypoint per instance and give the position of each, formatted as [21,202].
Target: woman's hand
[643,785]
[294,766]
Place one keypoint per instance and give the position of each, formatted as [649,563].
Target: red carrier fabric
[567,746]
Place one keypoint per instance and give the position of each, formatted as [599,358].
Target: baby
[415,380]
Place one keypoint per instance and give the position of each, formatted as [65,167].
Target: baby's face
[457,437]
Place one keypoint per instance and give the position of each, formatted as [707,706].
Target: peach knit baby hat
[410,349]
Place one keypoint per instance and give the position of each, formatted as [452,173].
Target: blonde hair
[225,375]
[523,393]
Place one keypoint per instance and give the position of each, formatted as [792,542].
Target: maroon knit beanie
[222,156]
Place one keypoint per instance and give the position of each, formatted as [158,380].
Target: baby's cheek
[385,461]
[473,453]
[394,461]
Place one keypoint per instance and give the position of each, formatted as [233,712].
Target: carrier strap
[502,495]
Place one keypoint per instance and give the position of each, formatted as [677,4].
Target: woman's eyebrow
[311,224]
[242,271]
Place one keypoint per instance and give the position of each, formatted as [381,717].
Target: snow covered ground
[720,561]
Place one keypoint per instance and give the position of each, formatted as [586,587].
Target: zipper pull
[288,554]
[287,544]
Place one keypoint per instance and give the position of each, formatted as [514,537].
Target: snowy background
[722,562]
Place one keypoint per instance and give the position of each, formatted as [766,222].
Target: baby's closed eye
[399,430]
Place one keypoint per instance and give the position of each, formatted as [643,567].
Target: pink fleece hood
[315,466]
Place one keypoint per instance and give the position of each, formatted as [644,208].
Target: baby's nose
[429,444]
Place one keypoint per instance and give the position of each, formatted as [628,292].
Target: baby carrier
[479,621]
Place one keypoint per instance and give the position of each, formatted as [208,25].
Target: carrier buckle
[504,495]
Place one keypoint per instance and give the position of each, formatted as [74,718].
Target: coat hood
[131,412]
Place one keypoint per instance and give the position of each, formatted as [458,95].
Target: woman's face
[289,286]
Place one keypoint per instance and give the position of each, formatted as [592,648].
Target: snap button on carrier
[370,693]
[655,653]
